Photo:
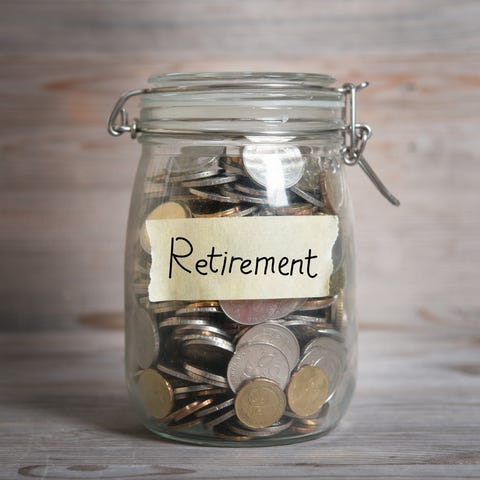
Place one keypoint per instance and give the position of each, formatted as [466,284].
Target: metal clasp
[357,136]
[118,110]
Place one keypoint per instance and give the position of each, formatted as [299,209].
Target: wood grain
[65,184]
[65,415]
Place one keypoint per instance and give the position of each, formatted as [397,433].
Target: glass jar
[239,285]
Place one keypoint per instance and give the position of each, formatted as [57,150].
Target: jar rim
[306,80]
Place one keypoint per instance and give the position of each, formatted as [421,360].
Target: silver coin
[317,303]
[307,196]
[218,419]
[307,332]
[248,190]
[214,390]
[192,389]
[324,342]
[276,335]
[146,339]
[286,161]
[199,375]
[240,197]
[258,360]
[191,176]
[173,372]
[212,195]
[179,321]
[251,312]
[328,354]
[294,319]
[215,408]
[197,309]
[206,340]
[205,330]
[211,182]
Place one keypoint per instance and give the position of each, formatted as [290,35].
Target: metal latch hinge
[356,138]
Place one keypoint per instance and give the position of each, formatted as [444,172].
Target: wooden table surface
[65,414]
[64,193]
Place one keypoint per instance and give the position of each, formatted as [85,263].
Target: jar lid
[242,104]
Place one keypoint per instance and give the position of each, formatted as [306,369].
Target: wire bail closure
[356,134]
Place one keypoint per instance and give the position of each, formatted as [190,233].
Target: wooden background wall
[65,184]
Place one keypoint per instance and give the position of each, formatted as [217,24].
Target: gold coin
[333,190]
[337,282]
[156,393]
[307,390]
[259,403]
[163,211]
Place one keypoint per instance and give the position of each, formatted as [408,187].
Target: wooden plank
[65,191]
[251,29]
[65,184]
[65,414]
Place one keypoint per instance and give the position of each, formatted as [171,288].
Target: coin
[259,403]
[245,211]
[216,407]
[276,335]
[309,197]
[188,423]
[215,419]
[247,189]
[163,211]
[251,312]
[199,307]
[174,372]
[213,195]
[156,394]
[223,431]
[188,410]
[205,330]
[257,360]
[210,182]
[317,303]
[293,209]
[337,282]
[178,321]
[328,354]
[213,352]
[240,197]
[282,164]
[307,391]
[275,429]
[193,176]
[146,340]
[200,375]
[226,212]
[232,164]
[333,189]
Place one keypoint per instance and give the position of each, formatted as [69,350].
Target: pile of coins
[240,369]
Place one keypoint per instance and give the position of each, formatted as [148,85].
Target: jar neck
[242,104]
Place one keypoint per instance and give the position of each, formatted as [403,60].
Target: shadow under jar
[240,326]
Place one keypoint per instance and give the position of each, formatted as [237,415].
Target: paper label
[239,258]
